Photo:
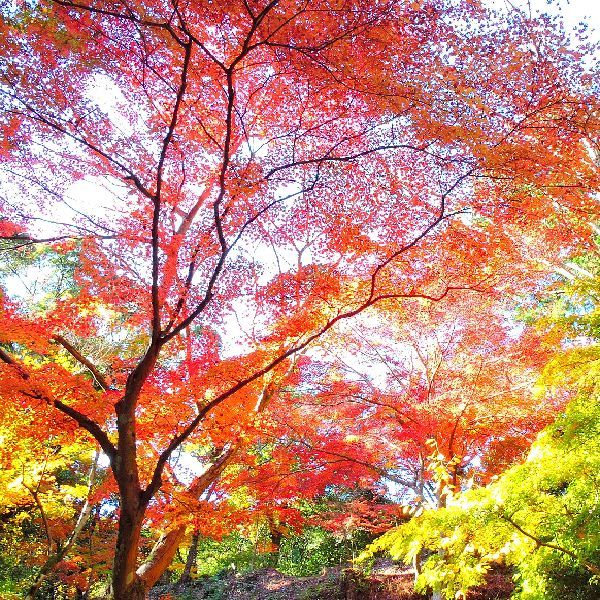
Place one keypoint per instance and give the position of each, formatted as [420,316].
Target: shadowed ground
[386,582]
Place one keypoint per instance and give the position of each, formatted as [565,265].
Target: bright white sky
[581,11]
[573,12]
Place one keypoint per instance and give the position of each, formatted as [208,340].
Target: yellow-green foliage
[542,516]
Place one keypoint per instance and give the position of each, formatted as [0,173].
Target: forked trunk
[134,591]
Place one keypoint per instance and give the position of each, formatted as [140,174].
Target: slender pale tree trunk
[436,593]
[166,547]
[420,491]
[52,561]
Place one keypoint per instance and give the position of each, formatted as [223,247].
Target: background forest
[297,285]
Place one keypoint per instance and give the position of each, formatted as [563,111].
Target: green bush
[314,549]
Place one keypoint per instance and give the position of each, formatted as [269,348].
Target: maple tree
[414,409]
[287,164]
[455,379]
[539,516]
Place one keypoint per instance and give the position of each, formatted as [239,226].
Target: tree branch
[100,379]
[180,438]
[82,420]
[156,326]
[36,498]
[587,565]
[382,472]
[52,561]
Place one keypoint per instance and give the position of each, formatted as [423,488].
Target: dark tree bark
[190,562]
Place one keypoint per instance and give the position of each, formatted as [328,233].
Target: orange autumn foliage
[238,179]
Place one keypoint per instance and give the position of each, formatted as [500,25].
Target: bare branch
[131,16]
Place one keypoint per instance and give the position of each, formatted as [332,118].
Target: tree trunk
[126,581]
[437,588]
[126,584]
[42,575]
[160,558]
[134,591]
[417,560]
[164,551]
[190,562]
[276,536]
[54,559]
[441,499]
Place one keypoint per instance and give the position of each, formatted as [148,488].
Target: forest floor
[389,582]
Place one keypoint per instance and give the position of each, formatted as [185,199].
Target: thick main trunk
[126,584]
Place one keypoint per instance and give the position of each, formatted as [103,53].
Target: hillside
[386,582]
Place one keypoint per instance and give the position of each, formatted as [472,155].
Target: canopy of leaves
[263,172]
[540,516]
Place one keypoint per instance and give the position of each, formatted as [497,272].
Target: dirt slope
[389,582]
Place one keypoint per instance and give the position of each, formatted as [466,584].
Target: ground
[386,582]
